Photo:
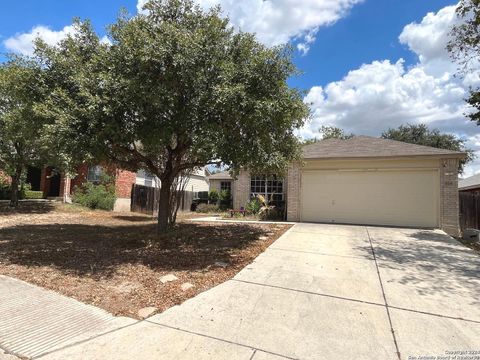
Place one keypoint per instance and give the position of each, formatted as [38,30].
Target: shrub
[225,199]
[270,213]
[254,206]
[213,196]
[207,208]
[96,196]
[225,195]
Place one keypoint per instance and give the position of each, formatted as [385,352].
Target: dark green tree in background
[464,48]
[21,127]
[422,135]
[330,132]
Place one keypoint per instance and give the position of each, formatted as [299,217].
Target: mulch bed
[115,261]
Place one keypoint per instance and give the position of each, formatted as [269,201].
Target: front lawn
[116,262]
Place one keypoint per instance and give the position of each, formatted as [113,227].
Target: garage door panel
[404,198]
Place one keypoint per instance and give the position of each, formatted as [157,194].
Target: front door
[54,189]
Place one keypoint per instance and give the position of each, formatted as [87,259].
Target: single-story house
[470,184]
[55,185]
[362,180]
[221,181]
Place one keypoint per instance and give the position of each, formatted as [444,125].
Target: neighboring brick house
[470,184]
[58,186]
[363,180]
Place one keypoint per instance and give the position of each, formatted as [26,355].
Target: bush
[101,196]
[207,208]
[213,196]
[270,213]
[225,195]
[225,199]
[254,206]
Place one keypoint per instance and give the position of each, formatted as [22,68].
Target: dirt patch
[115,261]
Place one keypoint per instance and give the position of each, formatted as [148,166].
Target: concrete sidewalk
[319,292]
[35,321]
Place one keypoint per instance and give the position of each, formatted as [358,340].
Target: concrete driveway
[321,292]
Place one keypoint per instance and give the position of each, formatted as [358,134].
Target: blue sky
[368,65]
[368,32]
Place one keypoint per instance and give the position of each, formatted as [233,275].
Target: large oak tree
[175,89]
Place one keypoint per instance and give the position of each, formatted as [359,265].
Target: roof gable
[223,175]
[367,146]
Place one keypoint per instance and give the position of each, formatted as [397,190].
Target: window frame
[149,179]
[228,188]
[271,187]
[98,172]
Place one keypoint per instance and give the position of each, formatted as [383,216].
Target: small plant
[270,213]
[96,196]
[225,199]
[213,196]
[207,208]
[254,206]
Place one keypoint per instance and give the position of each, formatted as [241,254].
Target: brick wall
[241,190]
[4,177]
[293,192]
[82,172]
[449,221]
[123,183]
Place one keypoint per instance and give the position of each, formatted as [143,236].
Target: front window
[94,173]
[226,185]
[149,179]
[269,187]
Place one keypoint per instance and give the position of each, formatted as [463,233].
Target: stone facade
[241,190]
[449,218]
[293,192]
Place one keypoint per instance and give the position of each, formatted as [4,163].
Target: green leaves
[176,85]
[464,48]
[20,124]
[176,89]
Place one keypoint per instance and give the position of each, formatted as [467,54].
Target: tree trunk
[164,207]
[14,187]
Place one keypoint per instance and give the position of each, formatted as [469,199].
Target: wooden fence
[469,209]
[145,199]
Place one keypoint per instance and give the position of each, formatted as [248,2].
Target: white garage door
[387,197]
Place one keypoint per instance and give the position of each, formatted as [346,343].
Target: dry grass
[115,261]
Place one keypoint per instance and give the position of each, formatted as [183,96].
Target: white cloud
[140,5]
[385,94]
[23,43]
[280,21]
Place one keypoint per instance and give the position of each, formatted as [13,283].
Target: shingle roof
[223,175]
[469,183]
[367,146]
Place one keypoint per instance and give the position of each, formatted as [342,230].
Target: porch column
[66,184]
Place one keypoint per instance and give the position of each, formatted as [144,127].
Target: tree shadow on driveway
[428,263]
